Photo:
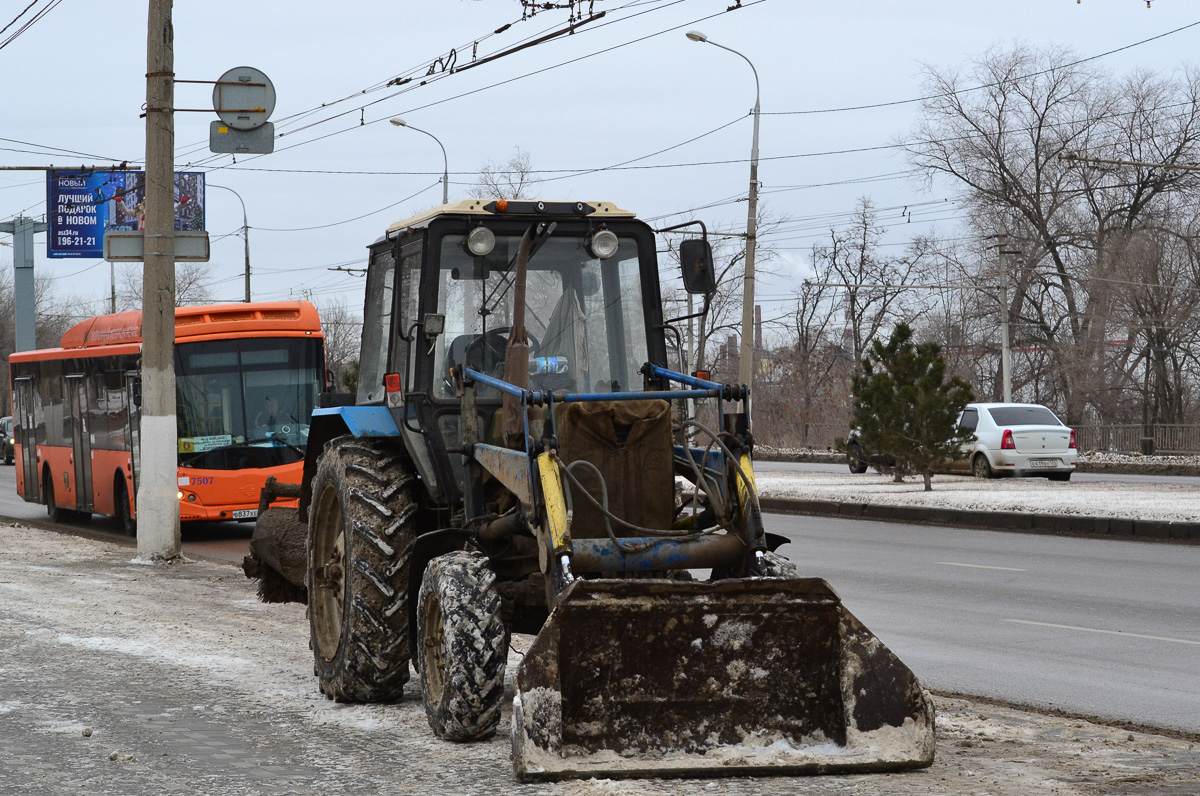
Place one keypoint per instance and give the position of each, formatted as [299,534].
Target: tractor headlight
[481,241]
[603,244]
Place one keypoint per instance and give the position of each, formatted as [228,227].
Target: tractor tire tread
[475,646]
[371,662]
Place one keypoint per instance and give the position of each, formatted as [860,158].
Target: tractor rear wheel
[360,540]
[464,646]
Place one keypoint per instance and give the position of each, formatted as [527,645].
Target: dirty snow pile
[1127,500]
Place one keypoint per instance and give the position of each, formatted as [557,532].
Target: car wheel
[1059,476]
[855,458]
[980,467]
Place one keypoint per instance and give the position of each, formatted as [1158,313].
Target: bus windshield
[245,402]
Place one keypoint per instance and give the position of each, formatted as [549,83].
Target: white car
[1016,439]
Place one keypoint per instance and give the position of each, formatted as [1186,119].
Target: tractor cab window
[584,317]
[377,315]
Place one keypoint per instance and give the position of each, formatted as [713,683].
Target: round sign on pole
[244,98]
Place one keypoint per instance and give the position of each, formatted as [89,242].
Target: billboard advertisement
[81,205]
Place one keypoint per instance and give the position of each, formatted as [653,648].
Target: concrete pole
[746,369]
[1005,347]
[23,230]
[158,485]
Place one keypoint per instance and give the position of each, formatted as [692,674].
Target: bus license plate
[1033,463]
[248,514]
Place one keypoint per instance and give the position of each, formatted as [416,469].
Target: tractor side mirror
[699,275]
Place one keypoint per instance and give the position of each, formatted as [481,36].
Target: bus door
[77,394]
[133,399]
[25,435]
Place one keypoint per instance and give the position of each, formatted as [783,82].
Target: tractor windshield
[585,318]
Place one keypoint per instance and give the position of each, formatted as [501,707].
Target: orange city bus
[247,377]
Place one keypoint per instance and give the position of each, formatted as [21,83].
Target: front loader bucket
[659,678]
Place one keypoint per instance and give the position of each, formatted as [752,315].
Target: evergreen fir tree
[905,406]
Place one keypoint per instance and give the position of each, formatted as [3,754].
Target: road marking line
[1106,632]
[980,566]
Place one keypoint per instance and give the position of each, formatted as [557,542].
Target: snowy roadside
[1089,461]
[140,680]
[1144,501]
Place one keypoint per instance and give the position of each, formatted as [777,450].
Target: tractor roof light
[603,244]
[481,241]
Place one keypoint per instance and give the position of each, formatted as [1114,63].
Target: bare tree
[512,179]
[343,332]
[53,314]
[874,284]
[1007,145]
[193,285]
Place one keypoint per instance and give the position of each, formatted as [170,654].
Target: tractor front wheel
[360,540]
[464,646]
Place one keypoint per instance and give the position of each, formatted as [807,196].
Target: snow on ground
[1128,500]
[172,680]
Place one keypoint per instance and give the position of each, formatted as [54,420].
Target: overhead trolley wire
[983,86]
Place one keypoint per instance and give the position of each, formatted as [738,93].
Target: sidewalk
[174,681]
[1143,511]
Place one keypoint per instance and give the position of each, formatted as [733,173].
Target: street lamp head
[696,35]
[397,121]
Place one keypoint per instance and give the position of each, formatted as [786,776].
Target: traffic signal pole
[158,486]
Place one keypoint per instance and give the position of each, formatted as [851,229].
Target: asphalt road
[225,542]
[819,467]
[1092,627]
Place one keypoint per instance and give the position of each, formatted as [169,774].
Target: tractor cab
[592,314]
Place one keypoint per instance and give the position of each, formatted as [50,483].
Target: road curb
[1012,521]
[763,453]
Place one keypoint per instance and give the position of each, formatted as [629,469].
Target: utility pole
[22,229]
[158,486]
[1005,347]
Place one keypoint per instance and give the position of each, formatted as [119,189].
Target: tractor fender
[337,421]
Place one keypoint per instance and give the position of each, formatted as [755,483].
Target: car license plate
[245,514]
[1036,463]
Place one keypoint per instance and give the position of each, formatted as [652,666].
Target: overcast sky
[622,88]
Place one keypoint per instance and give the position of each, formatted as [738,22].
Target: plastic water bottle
[539,366]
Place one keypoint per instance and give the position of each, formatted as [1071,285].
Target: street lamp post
[398,122]
[746,351]
[245,234]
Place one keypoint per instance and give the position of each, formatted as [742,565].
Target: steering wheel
[493,343]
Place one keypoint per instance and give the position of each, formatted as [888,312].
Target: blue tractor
[522,458]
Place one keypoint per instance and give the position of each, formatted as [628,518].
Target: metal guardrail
[1168,439]
[1129,438]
